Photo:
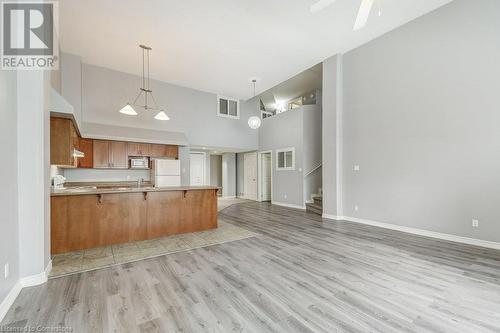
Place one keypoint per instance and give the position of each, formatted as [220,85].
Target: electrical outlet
[6,270]
[356,168]
[475,223]
[356,208]
[128,177]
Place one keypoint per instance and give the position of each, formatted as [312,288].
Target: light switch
[356,167]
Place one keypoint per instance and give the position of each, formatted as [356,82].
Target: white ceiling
[217,45]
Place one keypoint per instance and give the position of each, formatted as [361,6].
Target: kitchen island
[91,217]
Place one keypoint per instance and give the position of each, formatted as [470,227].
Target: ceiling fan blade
[363,14]
[320,5]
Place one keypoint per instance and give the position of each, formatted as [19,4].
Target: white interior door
[197,169]
[266,177]
[250,173]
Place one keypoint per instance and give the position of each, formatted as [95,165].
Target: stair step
[318,200]
[314,208]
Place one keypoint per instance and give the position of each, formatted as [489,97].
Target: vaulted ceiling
[219,45]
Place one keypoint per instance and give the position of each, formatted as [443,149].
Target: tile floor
[91,259]
[85,260]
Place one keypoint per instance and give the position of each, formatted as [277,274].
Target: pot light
[128,110]
[161,116]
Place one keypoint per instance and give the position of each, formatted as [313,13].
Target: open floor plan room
[250,166]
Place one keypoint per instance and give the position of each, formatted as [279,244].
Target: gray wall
[9,246]
[421,116]
[229,175]
[285,130]
[240,174]
[191,111]
[216,170]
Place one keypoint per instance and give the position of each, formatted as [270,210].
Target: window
[285,159]
[228,107]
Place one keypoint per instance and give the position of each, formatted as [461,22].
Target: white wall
[102,175]
[9,226]
[216,170]
[421,115]
[192,112]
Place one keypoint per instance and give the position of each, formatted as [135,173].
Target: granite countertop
[83,190]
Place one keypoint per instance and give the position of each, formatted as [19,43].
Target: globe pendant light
[145,90]
[254,122]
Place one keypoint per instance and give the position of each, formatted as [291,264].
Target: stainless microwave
[139,162]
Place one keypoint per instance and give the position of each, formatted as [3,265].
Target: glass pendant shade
[254,122]
[161,116]
[128,110]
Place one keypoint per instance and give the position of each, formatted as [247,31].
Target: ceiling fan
[363,13]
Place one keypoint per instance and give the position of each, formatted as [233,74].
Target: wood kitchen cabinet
[138,149]
[110,154]
[63,141]
[86,146]
[87,221]
[90,221]
[165,151]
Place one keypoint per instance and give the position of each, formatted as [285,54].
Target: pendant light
[254,122]
[145,90]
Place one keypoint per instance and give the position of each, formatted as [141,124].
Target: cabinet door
[87,147]
[138,149]
[101,154]
[158,150]
[172,152]
[200,210]
[123,217]
[119,158]
[60,142]
[165,212]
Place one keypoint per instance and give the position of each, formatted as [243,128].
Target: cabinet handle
[145,195]
[99,199]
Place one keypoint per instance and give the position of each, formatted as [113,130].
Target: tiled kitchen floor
[85,260]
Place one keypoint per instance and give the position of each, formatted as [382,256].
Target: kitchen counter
[86,190]
[91,216]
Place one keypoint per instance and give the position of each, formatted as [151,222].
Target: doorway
[250,174]
[197,168]
[265,176]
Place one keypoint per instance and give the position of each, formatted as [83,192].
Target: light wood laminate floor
[299,275]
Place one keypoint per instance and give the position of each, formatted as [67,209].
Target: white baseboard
[10,299]
[426,233]
[29,281]
[332,217]
[232,197]
[288,205]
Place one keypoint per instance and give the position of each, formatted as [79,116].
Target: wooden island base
[87,221]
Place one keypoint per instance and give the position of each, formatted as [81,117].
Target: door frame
[259,174]
[204,166]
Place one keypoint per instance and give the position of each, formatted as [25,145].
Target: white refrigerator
[166,173]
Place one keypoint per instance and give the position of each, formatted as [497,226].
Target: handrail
[316,168]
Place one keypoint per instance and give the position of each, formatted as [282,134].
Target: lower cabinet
[88,221]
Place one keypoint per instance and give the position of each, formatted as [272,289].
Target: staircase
[316,206]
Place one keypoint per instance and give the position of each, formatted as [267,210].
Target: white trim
[259,174]
[332,217]
[288,205]
[231,197]
[29,281]
[426,233]
[10,299]
[37,279]
[219,97]
[285,150]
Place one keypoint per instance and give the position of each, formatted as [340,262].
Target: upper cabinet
[138,149]
[63,142]
[110,155]
[86,146]
[165,151]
